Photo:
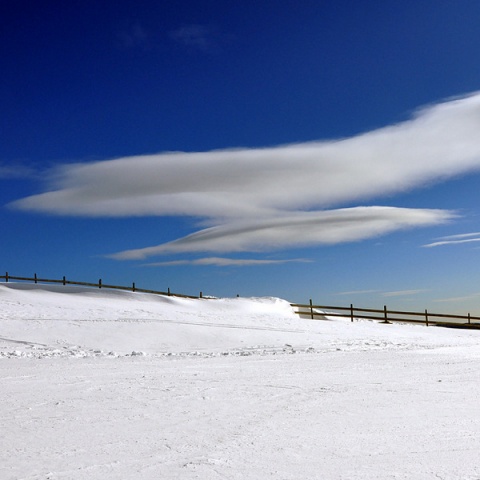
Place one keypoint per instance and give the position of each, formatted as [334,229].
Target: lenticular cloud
[300,229]
[252,198]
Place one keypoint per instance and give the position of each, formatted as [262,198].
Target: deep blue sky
[83,81]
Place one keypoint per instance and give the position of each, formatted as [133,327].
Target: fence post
[426,317]
[201,295]
[168,291]
[385,314]
[64,280]
[133,286]
[35,277]
[351,312]
[99,283]
[6,277]
[469,318]
[311,309]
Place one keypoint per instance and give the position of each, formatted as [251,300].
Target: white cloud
[402,293]
[356,292]
[135,36]
[396,293]
[455,240]
[465,298]
[461,235]
[195,36]
[226,262]
[258,199]
[440,142]
[15,171]
[299,229]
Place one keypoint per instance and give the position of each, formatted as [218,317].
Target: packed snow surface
[102,384]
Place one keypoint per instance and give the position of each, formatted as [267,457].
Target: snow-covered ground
[99,384]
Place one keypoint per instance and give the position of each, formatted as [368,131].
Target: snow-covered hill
[46,320]
[100,384]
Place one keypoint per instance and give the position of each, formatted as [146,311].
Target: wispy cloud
[357,292]
[135,36]
[397,293]
[455,239]
[15,171]
[403,293]
[195,36]
[270,198]
[226,262]
[464,298]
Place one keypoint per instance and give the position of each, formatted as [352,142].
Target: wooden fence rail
[99,284]
[386,316]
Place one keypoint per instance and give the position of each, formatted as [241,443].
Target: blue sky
[323,150]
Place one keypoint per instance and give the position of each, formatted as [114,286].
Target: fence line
[99,284]
[303,310]
[385,316]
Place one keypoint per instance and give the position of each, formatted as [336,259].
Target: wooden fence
[303,310]
[387,316]
[99,284]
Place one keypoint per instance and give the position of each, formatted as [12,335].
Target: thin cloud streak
[246,196]
[465,298]
[356,292]
[402,293]
[226,262]
[451,242]
[460,236]
[396,293]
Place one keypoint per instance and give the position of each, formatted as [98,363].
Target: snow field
[227,389]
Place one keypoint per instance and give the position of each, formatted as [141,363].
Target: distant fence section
[99,284]
[318,312]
